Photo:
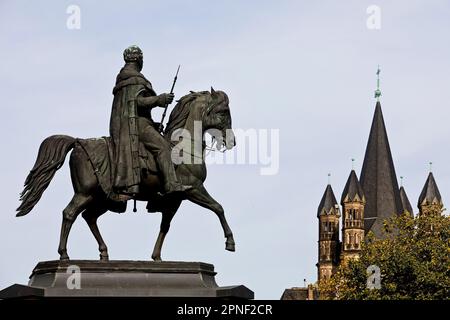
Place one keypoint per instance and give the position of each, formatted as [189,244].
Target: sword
[165,108]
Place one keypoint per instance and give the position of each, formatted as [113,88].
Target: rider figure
[131,124]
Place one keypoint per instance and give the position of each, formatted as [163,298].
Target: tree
[413,257]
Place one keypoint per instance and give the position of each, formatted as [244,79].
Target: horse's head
[216,119]
[208,108]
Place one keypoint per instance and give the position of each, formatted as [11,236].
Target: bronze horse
[208,108]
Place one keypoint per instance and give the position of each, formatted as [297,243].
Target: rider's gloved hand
[165,98]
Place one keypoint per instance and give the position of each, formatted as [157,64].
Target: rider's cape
[124,129]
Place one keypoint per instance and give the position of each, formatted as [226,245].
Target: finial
[329,178]
[378,91]
[353,163]
[431,166]
[401,181]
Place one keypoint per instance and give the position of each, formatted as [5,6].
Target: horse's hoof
[230,246]
[104,258]
[156,258]
[64,257]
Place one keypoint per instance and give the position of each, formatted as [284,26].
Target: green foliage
[414,258]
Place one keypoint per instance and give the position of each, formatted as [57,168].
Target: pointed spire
[378,91]
[405,201]
[352,190]
[328,204]
[430,193]
[378,178]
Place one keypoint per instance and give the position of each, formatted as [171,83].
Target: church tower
[353,202]
[430,201]
[328,215]
[378,178]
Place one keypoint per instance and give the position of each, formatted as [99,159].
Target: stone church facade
[364,205]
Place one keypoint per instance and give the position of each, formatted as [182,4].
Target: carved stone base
[88,278]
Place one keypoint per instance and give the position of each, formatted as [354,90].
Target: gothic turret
[328,214]
[406,205]
[353,201]
[430,200]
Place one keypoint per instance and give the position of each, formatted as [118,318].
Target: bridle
[210,105]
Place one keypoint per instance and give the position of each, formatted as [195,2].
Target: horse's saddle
[100,152]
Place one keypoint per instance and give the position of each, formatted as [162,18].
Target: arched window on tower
[322,251]
[350,239]
[347,241]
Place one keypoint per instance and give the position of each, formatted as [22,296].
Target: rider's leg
[160,148]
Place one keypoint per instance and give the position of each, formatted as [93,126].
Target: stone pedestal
[143,279]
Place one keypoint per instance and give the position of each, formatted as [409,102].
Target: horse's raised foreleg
[200,196]
[167,215]
[91,215]
[70,213]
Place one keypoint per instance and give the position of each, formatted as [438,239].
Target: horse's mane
[181,111]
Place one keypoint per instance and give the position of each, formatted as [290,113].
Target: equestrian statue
[137,161]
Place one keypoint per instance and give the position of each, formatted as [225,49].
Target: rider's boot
[176,187]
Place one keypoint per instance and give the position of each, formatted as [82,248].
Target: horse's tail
[51,156]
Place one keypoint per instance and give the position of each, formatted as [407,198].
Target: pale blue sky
[304,67]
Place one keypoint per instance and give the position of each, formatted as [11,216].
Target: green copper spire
[378,91]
